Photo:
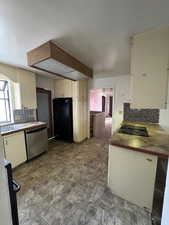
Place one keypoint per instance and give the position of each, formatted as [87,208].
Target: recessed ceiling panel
[53,66]
[75,75]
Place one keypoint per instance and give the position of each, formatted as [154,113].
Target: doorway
[101,109]
[44,108]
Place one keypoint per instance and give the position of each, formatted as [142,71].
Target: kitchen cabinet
[23,86]
[80,110]
[27,82]
[15,149]
[149,69]
[63,88]
[78,91]
[131,175]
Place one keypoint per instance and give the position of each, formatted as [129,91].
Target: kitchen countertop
[13,128]
[156,144]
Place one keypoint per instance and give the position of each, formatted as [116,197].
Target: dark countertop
[13,128]
[156,144]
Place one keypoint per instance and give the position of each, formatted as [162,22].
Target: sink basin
[134,130]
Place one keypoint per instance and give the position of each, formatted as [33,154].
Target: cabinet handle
[150,160]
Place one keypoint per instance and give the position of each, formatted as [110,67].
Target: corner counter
[13,128]
[132,165]
[156,144]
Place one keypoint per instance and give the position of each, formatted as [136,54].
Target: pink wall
[96,100]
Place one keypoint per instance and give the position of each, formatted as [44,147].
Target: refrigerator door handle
[16,187]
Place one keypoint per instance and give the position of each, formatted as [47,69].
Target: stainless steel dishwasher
[36,141]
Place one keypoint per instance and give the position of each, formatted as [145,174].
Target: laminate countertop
[156,144]
[13,128]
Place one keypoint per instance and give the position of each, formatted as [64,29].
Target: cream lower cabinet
[131,175]
[15,149]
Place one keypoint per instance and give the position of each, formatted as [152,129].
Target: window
[5,108]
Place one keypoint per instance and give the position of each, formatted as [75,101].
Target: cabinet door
[131,175]
[149,65]
[27,81]
[63,88]
[68,88]
[59,88]
[15,150]
[80,110]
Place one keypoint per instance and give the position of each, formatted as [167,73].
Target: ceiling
[97,32]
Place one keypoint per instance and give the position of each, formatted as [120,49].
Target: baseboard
[80,142]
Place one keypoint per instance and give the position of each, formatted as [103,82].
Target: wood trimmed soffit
[50,50]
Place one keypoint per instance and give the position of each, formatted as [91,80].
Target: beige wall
[45,83]
[121,93]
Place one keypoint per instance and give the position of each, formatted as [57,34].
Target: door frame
[103,103]
[99,86]
[110,105]
[48,92]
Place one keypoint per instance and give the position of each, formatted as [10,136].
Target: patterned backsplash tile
[140,115]
[24,115]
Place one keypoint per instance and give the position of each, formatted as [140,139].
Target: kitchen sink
[134,130]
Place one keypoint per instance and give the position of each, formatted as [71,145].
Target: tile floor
[67,186]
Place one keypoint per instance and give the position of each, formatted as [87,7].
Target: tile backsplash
[140,115]
[24,115]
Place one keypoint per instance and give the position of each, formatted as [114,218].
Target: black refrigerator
[63,119]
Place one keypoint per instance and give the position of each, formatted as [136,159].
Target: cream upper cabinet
[27,82]
[149,69]
[15,150]
[23,86]
[63,88]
